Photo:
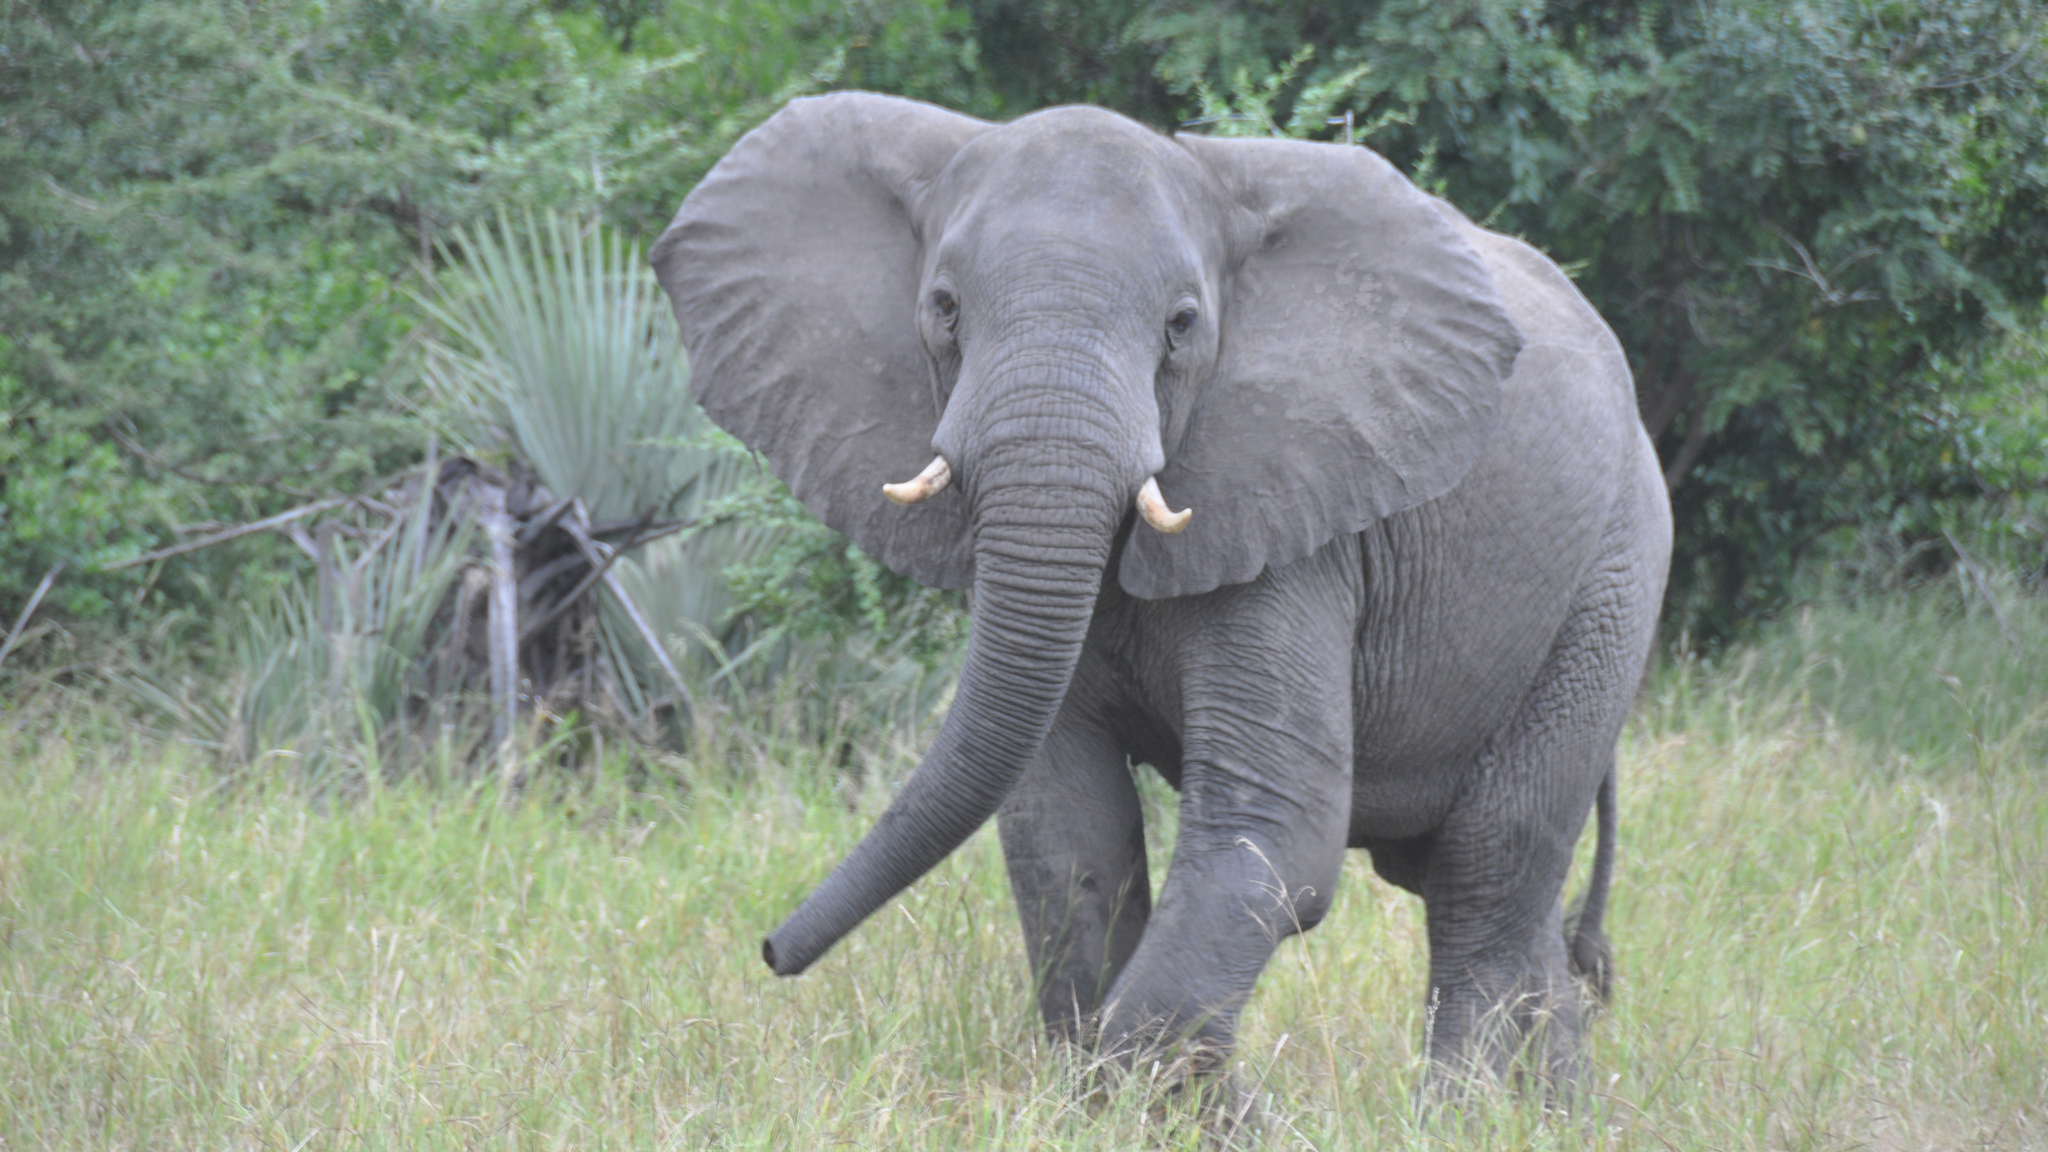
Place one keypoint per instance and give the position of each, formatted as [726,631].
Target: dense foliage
[1807,221]
[1818,226]
[1815,225]
[209,212]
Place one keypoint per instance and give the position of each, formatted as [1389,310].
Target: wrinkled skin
[1428,541]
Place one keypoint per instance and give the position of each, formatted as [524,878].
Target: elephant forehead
[1083,170]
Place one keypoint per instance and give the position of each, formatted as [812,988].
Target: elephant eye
[1177,328]
[947,307]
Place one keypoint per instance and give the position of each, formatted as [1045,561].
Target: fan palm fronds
[556,345]
[557,348]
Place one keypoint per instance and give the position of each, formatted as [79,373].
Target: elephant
[1259,466]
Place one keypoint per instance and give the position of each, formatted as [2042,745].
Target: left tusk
[1152,506]
[928,483]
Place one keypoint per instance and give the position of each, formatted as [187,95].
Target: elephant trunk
[1040,551]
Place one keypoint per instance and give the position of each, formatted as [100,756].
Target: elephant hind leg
[1503,1007]
[1402,863]
[1501,969]
[1074,841]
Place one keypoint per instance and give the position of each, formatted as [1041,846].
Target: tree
[1815,224]
[206,212]
[209,210]
[1812,223]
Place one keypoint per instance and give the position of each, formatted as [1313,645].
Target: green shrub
[1819,228]
[65,498]
[209,210]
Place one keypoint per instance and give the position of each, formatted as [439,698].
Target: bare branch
[127,444]
[596,551]
[1670,399]
[503,625]
[1689,450]
[1983,588]
[546,520]
[35,598]
[597,572]
[1830,296]
[277,521]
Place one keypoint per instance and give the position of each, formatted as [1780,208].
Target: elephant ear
[1360,366]
[794,270]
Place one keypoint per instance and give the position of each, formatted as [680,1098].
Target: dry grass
[1828,938]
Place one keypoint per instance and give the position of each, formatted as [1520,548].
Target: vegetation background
[1818,226]
[235,242]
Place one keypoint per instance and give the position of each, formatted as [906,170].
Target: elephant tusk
[1152,506]
[928,483]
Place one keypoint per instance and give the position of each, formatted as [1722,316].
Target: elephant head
[1057,320]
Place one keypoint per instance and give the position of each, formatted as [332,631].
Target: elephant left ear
[1361,360]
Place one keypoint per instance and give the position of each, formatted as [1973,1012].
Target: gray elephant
[1404,606]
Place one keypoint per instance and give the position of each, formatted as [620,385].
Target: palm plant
[335,675]
[333,672]
[556,346]
[553,353]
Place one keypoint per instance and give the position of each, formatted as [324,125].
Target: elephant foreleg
[1074,840]
[1266,740]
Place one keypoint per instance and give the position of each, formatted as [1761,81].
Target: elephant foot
[1234,1116]
[1175,1085]
[1527,1048]
[1473,1107]
[1229,1113]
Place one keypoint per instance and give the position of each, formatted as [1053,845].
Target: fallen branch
[503,622]
[35,598]
[597,572]
[596,552]
[277,521]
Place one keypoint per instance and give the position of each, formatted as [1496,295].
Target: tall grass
[1828,917]
[324,675]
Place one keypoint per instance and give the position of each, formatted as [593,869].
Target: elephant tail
[1592,957]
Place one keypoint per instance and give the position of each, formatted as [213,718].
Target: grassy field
[1831,919]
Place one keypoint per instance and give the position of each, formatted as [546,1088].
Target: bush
[1819,228]
[210,212]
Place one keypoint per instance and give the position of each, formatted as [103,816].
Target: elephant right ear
[794,270]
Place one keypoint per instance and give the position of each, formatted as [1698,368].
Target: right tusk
[929,483]
[1152,506]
